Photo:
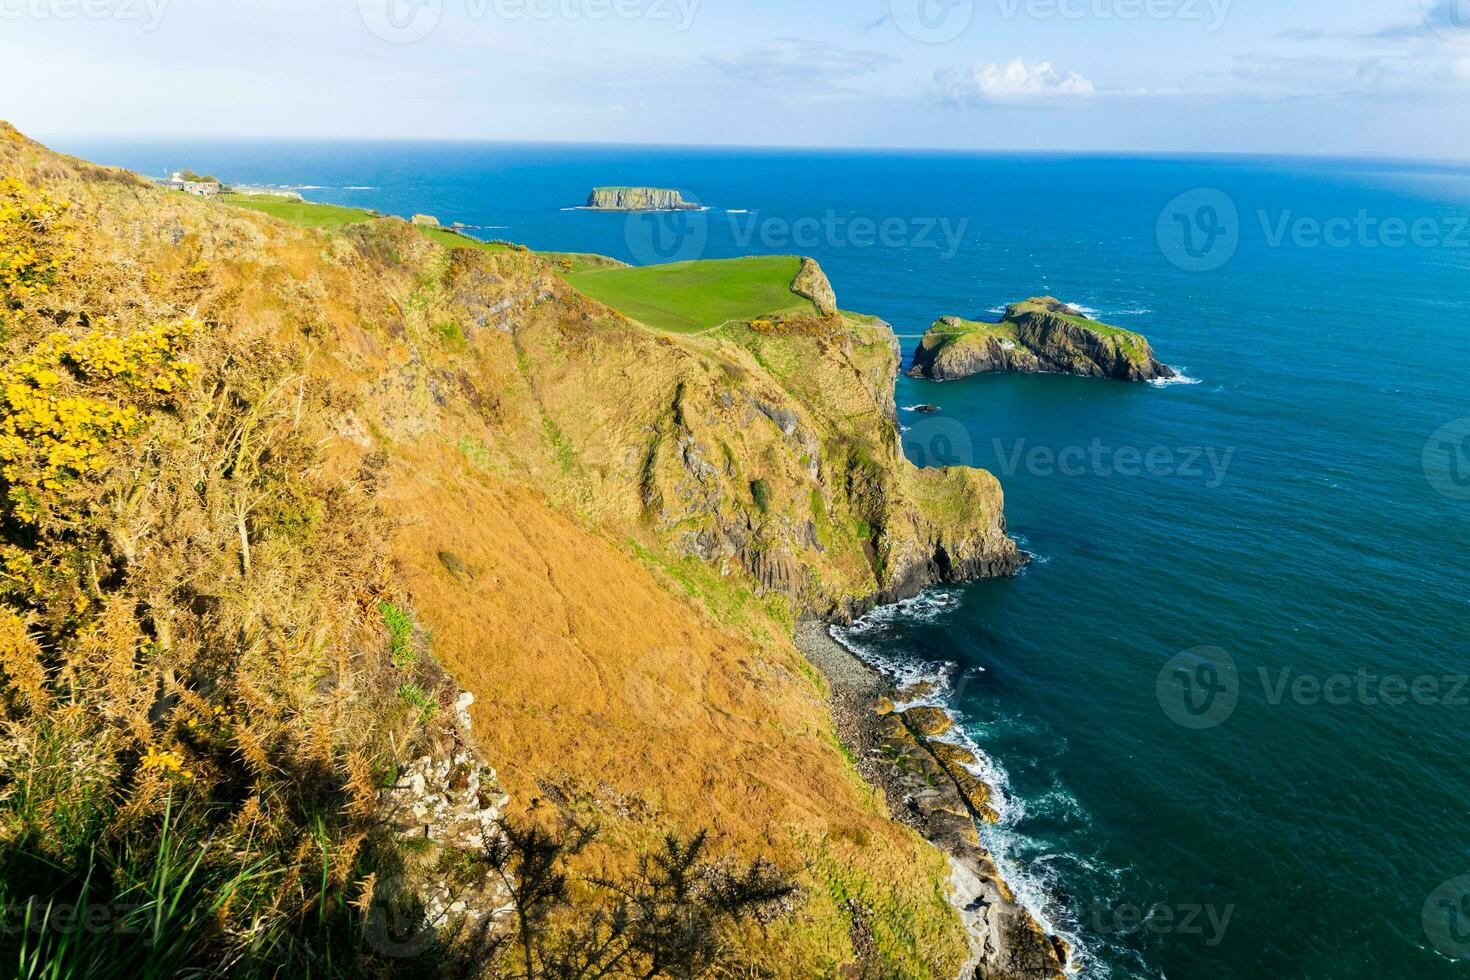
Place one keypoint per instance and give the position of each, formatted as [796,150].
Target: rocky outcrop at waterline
[1040,336]
[928,785]
[637,199]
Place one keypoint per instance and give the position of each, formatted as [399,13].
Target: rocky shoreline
[928,788]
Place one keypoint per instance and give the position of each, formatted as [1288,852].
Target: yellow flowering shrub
[166,763]
[32,245]
[62,404]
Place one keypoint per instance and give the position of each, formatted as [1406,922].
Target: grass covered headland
[278,502]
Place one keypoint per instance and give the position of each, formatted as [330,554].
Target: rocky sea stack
[1040,336]
[637,199]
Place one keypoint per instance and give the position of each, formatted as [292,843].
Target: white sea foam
[1134,311]
[359,187]
[1079,308]
[1035,882]
[736,211]
[1180,378]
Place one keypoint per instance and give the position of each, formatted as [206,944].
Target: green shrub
[760,492]
[400,635]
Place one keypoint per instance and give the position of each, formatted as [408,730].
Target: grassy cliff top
[334,217]
[1050,306]
[688,297]
[947,330]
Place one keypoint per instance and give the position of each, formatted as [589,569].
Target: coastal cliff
[637,199]
[1041,335]
[337,479]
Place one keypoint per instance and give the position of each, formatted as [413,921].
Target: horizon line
[789,147]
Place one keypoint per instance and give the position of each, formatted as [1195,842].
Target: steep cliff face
[1038,336]
[637,199]
[602,531]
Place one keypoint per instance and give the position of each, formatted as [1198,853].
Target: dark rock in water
[1039,336]
[926,409]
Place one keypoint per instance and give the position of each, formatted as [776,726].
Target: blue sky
[1375,77]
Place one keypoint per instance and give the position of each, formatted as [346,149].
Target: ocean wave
[1133,311]
[1180,378]
[1079,308]
[737,211]
[358,187]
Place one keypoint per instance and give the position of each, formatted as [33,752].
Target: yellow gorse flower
[54,423]
[168,763]
[31,251]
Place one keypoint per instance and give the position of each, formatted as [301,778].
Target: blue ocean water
[1225,705]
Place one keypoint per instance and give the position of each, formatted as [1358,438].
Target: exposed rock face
[812,283]
[449,799]
[638,199]
[849,522]
[426,221]
[1038,336]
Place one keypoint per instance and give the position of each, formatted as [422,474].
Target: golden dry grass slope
[607,530]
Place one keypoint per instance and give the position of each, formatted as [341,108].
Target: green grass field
[333,217]
[687,297]
[306,214]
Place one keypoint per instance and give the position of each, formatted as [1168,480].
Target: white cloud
[1461,70]
[791,60]
[1011,82]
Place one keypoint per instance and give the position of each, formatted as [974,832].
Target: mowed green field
[686,297]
